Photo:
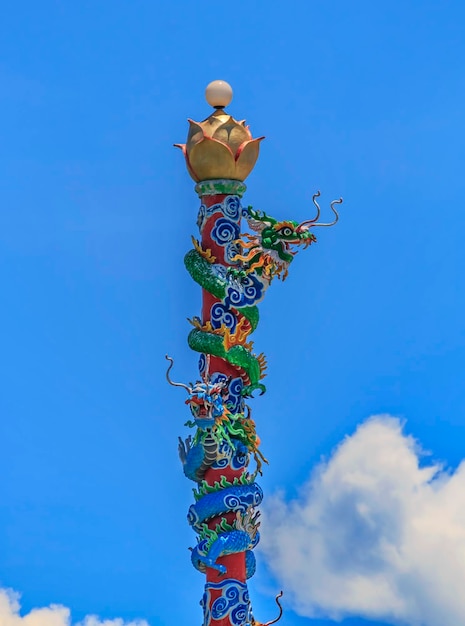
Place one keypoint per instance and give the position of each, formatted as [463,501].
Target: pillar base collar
[220,186]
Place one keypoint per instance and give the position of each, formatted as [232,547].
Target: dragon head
[206,399]
[279,236]
[269,251]
[206,402]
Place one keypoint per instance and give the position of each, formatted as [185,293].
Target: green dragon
[261,256]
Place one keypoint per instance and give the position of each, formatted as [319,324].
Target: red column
[218,233]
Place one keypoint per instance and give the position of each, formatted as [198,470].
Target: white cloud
[54,615]
[373,534]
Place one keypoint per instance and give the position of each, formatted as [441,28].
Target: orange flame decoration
[239,336]
[231,339]
[206,254]
[206,328]
[271,266]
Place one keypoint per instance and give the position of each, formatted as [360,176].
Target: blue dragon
[217,445]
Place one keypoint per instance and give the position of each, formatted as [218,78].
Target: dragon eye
[286,231]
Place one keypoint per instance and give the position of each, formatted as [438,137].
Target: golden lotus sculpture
[220,147]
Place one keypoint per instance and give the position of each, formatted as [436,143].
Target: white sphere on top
[219,93]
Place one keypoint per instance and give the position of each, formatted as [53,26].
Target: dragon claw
[248,391]
[221,568]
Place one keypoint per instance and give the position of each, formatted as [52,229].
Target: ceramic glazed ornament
[223,455]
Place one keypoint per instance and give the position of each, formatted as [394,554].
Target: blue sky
[359,99]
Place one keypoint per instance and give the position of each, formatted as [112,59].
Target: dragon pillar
[234,271]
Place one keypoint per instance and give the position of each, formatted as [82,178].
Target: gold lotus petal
[242,123]
[192,174]
[186,156]
[232,134]
[191,171]
[195,134]
[210,159]
[212,122]
[246,157]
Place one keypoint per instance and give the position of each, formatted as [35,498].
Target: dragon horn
[280,610]
[168,358]
[262,216]
[334,211]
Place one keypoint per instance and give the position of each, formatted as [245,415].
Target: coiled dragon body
[234,272]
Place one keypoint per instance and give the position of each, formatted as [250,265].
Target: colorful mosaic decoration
[223,454]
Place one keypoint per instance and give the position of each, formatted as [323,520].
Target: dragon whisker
[280,594]
[313,220]
[168,358]
[254,621]
[335,213]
